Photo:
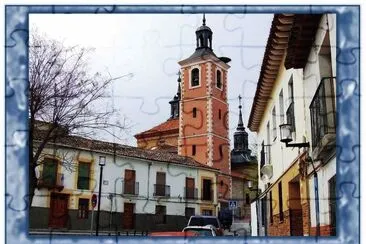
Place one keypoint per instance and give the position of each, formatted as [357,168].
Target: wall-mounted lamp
[286,137]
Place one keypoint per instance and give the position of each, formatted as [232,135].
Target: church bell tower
[203,125]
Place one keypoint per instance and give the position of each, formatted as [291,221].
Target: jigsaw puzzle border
[16,30]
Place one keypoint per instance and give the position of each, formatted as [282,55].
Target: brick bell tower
[203,125]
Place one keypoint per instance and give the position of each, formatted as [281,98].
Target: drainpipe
[148,181]
[316,192]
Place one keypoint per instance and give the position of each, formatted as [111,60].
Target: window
[219,113]
[268,146]
[160,214]
[83,208]
[274,124]
[190,188]
[220,151]
[206,190]
[160,184]
[195,81]
[83,176]
[193,150]
[280,200]
[290,113]
[264,212]
[49,174]
[218,79]
[207,212]
[130,182]
[247,198]
[332,205]
[189,212]
[270,208]
[194,112]
[282,109]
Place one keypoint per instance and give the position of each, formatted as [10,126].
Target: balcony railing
[207,195]
[50,181]
[130,187]
[290,115]
[161,190]
[190,193]
[323,116]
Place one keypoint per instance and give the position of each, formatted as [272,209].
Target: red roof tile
[168,127]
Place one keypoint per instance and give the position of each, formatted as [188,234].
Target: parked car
[208,230]
[226,218]
[203,220]
[174,233]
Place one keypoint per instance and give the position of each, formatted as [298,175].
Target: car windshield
[203,221]
[200,232]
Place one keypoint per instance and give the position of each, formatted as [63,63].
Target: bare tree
[64,97]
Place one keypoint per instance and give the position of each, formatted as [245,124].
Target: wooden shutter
[83,176]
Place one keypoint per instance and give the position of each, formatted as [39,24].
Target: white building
[296,94]
[142,190]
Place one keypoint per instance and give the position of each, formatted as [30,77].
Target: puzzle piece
[348,88]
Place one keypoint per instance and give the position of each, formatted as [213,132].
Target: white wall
[113,175]
[282,157]
[324,174]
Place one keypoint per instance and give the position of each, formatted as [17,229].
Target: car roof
[208,227]
[204,216]
[172,233]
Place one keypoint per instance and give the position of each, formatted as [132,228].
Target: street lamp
[102,160]
[286,137]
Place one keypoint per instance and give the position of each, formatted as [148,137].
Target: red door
[58,214]
[128,216]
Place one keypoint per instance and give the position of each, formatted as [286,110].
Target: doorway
[296,225]
[128,216]
[58,214]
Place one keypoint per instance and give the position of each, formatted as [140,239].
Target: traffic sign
[94,200]
[233,204]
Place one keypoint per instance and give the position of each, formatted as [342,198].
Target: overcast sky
[149,47]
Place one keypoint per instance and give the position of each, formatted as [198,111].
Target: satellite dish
[267,171]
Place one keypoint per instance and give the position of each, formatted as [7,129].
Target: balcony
[207,195]
[50,181]
[161,190]
[130,188]
[323,118]
[190,193]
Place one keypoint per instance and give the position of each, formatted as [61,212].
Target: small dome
[203,27]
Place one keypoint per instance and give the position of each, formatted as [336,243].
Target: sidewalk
[87,233]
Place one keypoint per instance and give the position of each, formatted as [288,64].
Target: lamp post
[102,160]
[286,137]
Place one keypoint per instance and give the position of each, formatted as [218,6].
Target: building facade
[141,190]
[296,95]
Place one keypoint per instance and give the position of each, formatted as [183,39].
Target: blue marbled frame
[348,116]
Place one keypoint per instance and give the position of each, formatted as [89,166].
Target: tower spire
[204,19]
[240,123]
[179,89]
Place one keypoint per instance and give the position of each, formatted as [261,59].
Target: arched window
[218,79]
[195,80]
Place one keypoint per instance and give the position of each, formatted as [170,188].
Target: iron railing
[161,190]
[323,111]
[207,195]
[49,180]
[190,193]
[130,187]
